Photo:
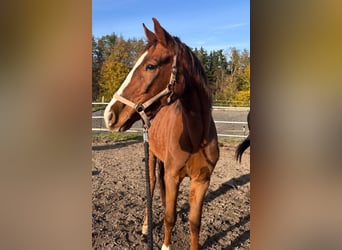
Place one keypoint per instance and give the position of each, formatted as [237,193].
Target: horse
[240,149]
[167,88]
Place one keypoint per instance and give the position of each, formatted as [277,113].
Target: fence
[230,121]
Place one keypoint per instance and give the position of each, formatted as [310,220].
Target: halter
[141,107]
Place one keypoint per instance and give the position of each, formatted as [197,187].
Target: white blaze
[122,88]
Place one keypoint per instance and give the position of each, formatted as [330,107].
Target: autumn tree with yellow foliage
[242,95]
[116,65]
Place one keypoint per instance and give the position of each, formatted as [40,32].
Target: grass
[97,108]
[229,141]
[116,137]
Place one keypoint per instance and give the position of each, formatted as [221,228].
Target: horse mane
[195,73]
[196,79]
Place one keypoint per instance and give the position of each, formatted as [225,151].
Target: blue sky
[213,25]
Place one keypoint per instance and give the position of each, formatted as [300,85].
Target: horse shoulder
[166,136]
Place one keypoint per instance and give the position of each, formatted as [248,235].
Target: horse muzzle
[110,119]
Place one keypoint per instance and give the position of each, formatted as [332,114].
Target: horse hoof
[144,229]
[165,247]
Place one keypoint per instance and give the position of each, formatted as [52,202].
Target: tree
[106,43]
[215,67]
[101,50]
[242,96]
[112,74]
[219,70]
[97,61]
[202,56]
[228,73]
[118,64]
[243,78]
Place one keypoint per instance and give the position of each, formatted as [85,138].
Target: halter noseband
[141,107]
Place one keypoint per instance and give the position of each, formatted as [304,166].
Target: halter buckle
[139,107]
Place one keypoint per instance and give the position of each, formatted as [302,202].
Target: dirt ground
[118,177]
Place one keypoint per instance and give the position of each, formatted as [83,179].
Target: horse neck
[197,103]
[196,99]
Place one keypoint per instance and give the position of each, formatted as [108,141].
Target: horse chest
[166,135]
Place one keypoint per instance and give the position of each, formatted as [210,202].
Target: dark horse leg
[152,163]
[152,167]
[161,181]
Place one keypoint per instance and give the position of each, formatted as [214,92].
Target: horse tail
[241,148]
[161,181]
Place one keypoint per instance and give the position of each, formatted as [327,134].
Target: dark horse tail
[241,148]
[245,143]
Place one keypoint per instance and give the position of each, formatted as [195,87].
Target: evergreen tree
[97,61]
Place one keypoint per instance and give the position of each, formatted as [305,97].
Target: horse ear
[162,35]
[149,34]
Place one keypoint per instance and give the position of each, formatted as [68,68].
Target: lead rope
[148,188]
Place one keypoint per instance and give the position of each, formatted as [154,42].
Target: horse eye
[150,67]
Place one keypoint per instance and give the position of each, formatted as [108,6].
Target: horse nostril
[110,117]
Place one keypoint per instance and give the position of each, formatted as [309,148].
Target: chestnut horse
[168,89]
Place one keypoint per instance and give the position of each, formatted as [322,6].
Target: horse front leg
[151,164]
[171,192]
[198,189]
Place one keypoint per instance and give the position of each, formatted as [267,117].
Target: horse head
[149,85]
